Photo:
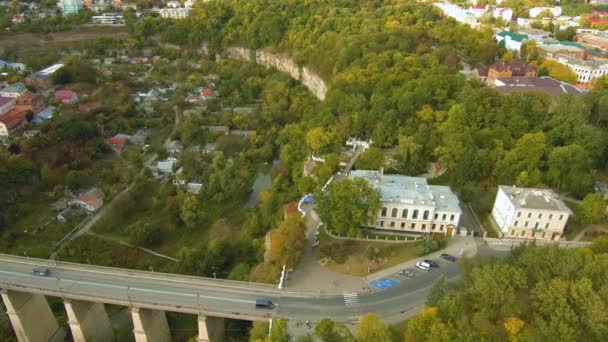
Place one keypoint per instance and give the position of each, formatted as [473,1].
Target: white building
[512,40]
[14,90]
[174,13]
[503,12]
[478,10]
[410,205]
[586,71]
[536,11]
[460,14]
[530,213]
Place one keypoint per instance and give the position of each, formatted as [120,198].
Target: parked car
[406,273]
[41,271]
[448,257]
[423,265]
[432,263]
[262,303]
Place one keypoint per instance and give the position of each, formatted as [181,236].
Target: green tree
[438,291]
[288,242]
[372,159]
[190,211]
[258,332]
[524,159]
[318,138]
[279,331]
[592,209]
[330,331]
[371,328]
[569,168]
[348,204]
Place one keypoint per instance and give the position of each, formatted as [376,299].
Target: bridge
[86,288]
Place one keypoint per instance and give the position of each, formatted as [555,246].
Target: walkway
[352,160]
[310,276]
[149,251]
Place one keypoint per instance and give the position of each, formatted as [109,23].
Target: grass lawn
[348,256]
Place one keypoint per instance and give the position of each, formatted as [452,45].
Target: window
[423,226]
[529,215]
[540,216]
[519,214]
[415,214]
[394,212]
[433,226]
[441,227]
[452,218]
[533,234]
[436,216]
[561,217]
[512,232]
[402,225]
[526,225]
[404,213]
[550,216]
[425,215]
[516,224]
[392,224]
[536,225]
[544,234]
[381,223]
[523,233]
[383,212]
[443,217]
[413,226]
[547,225]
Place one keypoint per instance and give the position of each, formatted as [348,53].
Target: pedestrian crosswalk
[351,299]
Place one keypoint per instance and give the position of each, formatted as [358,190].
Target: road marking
[384,283]
[351,299]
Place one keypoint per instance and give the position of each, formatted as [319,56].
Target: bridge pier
[31,317]
[150,325]
[88,321]
[210,329]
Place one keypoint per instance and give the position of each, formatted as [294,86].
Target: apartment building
[410,205]
[586,71]
[529,213]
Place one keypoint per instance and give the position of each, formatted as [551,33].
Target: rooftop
[18,87]
[12,118]
[545,84]
[594,63]
[410,190]
[513,35]
[531,198]
[5,100]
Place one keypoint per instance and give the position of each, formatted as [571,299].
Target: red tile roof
[13,118]
[118,142]
[85,107]
[207,92]
[65,95]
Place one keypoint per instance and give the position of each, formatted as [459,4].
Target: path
[352,160]
[582,233]
[108,238]
[82,229]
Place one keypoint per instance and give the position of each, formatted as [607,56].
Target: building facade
[586,71]
[512,40]
[512,69]
[70,6]
[527,213]
[410,205]
[595,40]
[14,90]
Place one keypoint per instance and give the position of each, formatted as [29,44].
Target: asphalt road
[216,298]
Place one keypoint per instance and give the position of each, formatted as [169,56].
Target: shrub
[432,244]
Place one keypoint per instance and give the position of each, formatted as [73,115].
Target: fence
[508,242]
[377,238]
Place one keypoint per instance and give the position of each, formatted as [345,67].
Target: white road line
[351,298]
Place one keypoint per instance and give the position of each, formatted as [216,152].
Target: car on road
[423,265]
[432,263]
[406,273]
[448,257]
[262,303]
[41,271]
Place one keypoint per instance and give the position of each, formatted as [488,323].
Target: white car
[423,265]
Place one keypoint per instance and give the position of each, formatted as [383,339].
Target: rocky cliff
[283,63]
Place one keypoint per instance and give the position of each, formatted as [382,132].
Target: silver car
[406,273]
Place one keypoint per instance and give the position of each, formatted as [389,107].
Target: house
[410,205]
[512,40]
[66,96]
[528,213]
[6,104]
[512,69]
[12,124]
[194,188]
[59,205]
[31,101]
[601,188]
[43,79]
[478,10]
[139,138]
[501,12]
[458,13]
[207,94]
[90,201]
[174,147]
[14,90]
[174,13]
[543,84]
[536,11]
[70,6]
[16,67]
[166,166]
[595,40]
[44,116]
[118,142]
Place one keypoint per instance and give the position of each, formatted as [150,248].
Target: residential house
[194,188]
[118,142]
[512,40]
[502,12]
[543,84]
[166,166]
[14,90]
[70,6]
[207,94]
[6,104]
[44,116]
[529,213]
[478,10]
[175,147]
[31,101]
[66,96]
[12,124]
[90,201]
[512,69]
[536,11]
[139,138]
[43,79]
[410,205]
[16,67]
[595,40]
